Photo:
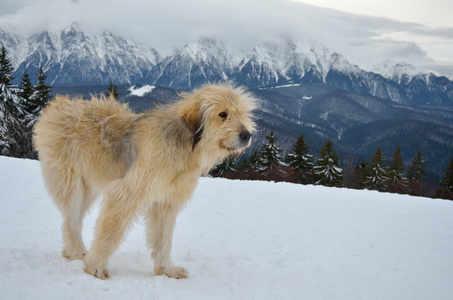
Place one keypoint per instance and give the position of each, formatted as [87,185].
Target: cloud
[165,24]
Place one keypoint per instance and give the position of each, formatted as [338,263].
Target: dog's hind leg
[68,191]
[161,220]
[79,199]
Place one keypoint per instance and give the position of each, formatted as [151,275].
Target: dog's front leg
[161,220]
[118,209]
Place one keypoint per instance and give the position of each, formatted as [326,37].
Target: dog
[144,164]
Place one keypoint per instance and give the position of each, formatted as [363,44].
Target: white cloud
[165,24]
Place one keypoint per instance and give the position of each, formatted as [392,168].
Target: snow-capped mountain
[71,57]
[415,84]
[273,64]
[206,60]
[396,71]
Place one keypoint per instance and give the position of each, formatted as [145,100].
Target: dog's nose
[244,136]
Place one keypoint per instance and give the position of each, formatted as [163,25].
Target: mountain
[357,124]
[396,71]
[71,57]
[417,85]
[206,60]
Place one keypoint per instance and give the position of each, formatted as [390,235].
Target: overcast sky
[365,32]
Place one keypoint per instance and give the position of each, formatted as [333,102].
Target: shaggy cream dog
[143,164]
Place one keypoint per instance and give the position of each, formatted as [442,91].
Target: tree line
[299,166]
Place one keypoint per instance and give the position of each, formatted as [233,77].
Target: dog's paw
[74,254]
[95,267]
[173,272]
[100,273]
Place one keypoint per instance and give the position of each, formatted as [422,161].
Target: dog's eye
[223,115]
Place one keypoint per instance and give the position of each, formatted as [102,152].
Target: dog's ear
[193,119]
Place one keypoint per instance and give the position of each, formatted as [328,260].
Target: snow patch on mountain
[396,70]
[141,91]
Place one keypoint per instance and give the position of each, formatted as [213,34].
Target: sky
[365,32]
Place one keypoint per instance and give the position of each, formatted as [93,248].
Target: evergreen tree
[6,69]
[11,111]
[270,153]
[26,89]
[298,157]
[397,181]
[447,180]
[417,170]
[255,160]
[300,160]
[33,107]
[112,90]
[376,175]
[42,95]
[416,175]
[327,171]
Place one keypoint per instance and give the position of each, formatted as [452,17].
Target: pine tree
[397,181]
[255,161]
[26,89]
[327,171]
[300,160]
[447,180]
[298,157]
[417,168]
[112,90]
[42,95]
[376,175]
[34,104]
[270,153]
[416,175]
[6,69]
[11,111]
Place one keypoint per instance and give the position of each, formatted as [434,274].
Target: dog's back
[74,143]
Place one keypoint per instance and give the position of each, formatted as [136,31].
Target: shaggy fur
[143,164]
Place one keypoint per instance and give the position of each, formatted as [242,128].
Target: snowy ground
[240,240]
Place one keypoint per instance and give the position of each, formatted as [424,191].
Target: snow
[396,70]
[239,240]
[141,91]
[286,85]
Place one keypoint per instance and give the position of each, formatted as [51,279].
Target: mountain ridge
[71,57]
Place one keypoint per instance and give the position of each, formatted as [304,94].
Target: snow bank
[239,240]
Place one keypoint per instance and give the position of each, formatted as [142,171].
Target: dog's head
[221,119]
